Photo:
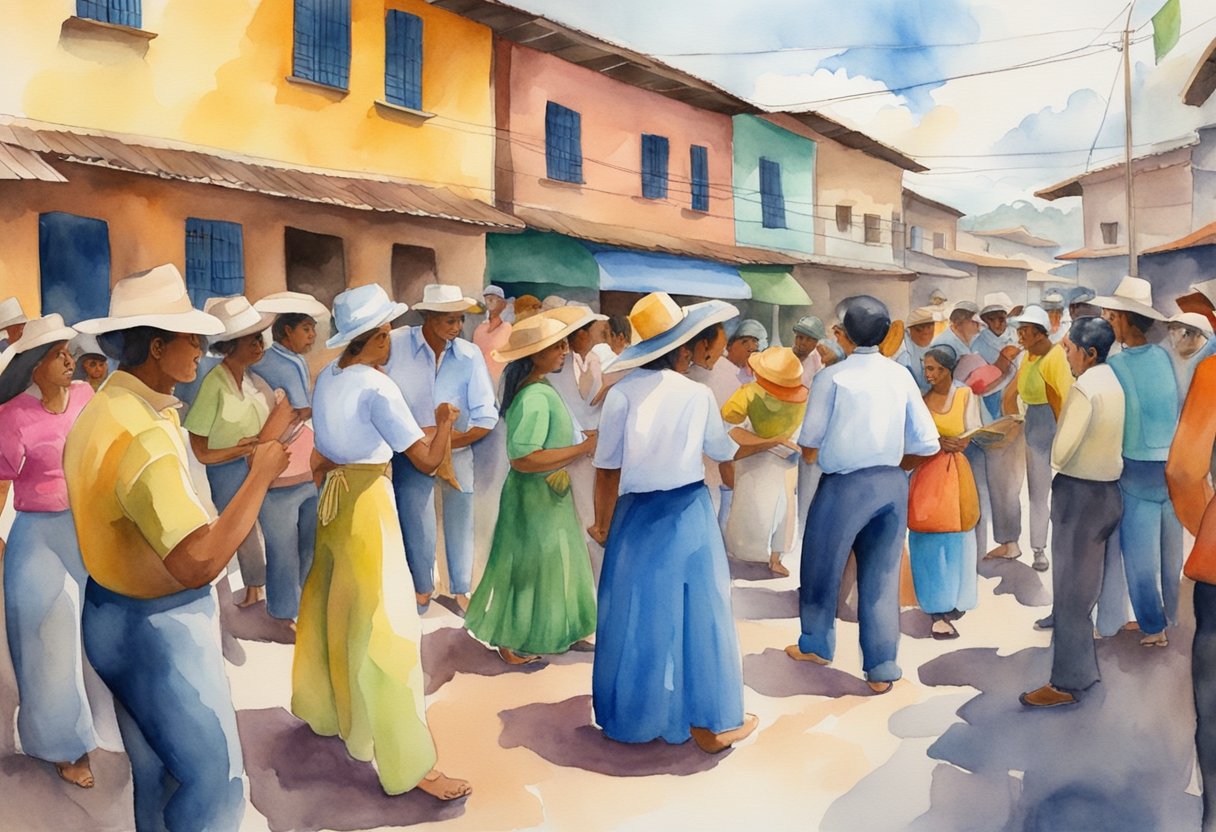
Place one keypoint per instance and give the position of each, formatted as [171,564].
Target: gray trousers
[1001,489]
[1084,514]
[1040,431]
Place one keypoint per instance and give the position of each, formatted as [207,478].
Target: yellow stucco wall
[216,75]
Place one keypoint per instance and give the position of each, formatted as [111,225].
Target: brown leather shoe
[1047,697]
[797,655]
[712,743]
[880,688]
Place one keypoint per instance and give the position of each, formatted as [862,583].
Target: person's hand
[953,444]
[282,418]
[446,414]
[269,460]
[588,444]
[246,446]
[1010,352]
[598,534]
[2,547]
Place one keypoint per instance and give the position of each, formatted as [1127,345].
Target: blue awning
[636,271]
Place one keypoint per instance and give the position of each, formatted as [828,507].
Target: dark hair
[1141,322]
[943,354]
[959,315]
[131,347]
[224,348]
[513,378]
[866,320]
[286,321]
[1036,326]
[620,327]
[19,374]
[356,346]
[584,328]
[708,334]
[666,361]
[79,374]
[1092,333]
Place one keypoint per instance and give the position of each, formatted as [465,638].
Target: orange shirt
[1187,470]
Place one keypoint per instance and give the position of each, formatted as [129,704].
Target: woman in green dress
[537,595]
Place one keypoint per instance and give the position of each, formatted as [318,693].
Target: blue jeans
[1150,535]
[161,659]
[225,480]
[415,494]
[289,524]
[865,511]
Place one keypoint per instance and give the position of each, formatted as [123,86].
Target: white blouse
[359,416]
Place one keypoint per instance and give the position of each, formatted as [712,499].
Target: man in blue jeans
[150,621]
[865,424]
[432,364]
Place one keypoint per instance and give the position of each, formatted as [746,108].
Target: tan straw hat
[156,298]
[779,372]
[1133,294]
[239,317]
[543,330]
[442,297]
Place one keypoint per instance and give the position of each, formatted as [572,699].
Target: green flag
[1167,23]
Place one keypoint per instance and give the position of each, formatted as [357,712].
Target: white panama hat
[38,333]
[11,313]
[545,329]
[156,298]
[1193,320]
[996,302]
[239,317]
[442,297]
[1133,294]
[292,303]
[361,310]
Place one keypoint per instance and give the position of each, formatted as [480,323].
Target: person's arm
[607,486]
[1071,429]
[751,444]
[217,456]
[483,406]
[1009,399]
[464,438]
[206,551]
[1187,470]
[426,455]
[543,461]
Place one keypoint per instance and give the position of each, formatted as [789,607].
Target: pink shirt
[488,340]
[31,448]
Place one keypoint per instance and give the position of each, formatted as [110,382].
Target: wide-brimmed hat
[660,326]
[239,317]
[442,297]
[543,330]
[84,344]
[966,306]
[811,326]
[292,303]
[893,342]
[361,310]
[11,313]
[38,333]
[1193,320]
[996,302]
[1133,294]
[553,302]
[1032,314]
[155,298]
[1081,294]
[1207,288]
[1052,299]
[920,315]
[779,372]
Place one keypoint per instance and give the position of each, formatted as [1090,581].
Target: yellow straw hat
[779,372]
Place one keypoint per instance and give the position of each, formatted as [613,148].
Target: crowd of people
[642,453]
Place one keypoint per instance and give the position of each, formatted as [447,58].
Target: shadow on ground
[451,650]
[563,734]
[1120,760]
[773,673]
[1029,588]
[301,781]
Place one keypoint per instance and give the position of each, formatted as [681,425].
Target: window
[403,59]
[873,229]
[844,217]
[916,238]
[74,266]
[654,166]
[1110,233]
[322,42]
[412,268]
[699,166]
[316,264]
[939,240]
[563,143]
[118,12]
[215,259]
[772,201]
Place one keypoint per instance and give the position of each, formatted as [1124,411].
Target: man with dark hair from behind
[865,421]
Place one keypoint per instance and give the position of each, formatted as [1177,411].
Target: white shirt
[1089,435]
[360,416]
[865,412]
[725,378]
[657,426]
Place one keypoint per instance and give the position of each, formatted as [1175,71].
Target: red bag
[942,496]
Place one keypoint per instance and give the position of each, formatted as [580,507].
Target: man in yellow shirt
[1043,382]
[150,620]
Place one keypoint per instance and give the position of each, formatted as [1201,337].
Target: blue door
[74,257]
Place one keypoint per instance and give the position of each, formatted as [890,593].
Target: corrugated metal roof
[18,162]
[165,160]
[930,265]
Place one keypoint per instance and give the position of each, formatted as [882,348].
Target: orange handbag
[942,496]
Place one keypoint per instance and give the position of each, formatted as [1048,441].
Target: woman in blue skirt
[667,660]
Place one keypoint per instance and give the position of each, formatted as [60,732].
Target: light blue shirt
[866,412]
[912,358]
[285,370]
[461,379]
[1150,393]
[951,339]
[359,416]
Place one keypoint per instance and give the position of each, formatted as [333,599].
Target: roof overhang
[1205,236]
[977,258]
[1202,83]
[932,203]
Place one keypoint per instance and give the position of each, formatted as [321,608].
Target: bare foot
[511,657]
[253,594]
[1155,640]
[441,787]
[78,773]
[712,743]
[797,655]
[777,567]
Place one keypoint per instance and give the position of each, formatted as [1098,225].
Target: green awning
[540,257]
[774,285]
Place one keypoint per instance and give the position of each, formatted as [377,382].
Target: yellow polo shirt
[129,487]
[1037,373]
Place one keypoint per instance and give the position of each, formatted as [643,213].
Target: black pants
[1203,680]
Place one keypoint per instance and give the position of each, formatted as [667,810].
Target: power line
[1105,109]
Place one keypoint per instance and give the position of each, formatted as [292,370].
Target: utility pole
[1132,260]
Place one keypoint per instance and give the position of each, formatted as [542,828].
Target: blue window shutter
[563,143]
[403,59]
[699,159]
[772,201]
[654,166]
[120,12]
[74,264]
[215,259]
[321,50]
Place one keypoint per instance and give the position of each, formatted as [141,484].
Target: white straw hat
[38,333]
[1195,321]
[996,302]
[1133,294]
[11,313]
[156,298]
[361,310]
[239,317]
[292,303]
[545,329]
[441,297]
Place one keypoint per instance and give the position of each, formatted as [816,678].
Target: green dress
[537,594]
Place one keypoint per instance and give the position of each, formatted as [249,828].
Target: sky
[881,66]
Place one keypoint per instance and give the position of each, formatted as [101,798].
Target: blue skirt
[666,652]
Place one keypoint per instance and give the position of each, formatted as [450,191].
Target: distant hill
[1062,226]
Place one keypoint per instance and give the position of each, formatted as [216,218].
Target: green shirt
[538,420]
[224,414]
